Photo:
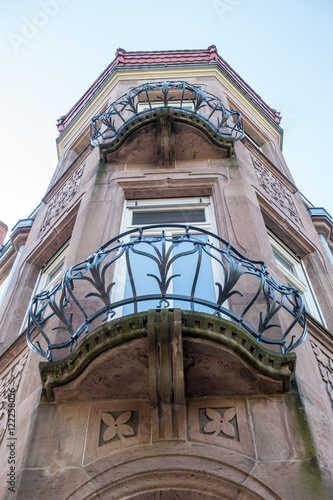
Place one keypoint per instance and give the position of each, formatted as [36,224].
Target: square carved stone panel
[116,425]
[220,422]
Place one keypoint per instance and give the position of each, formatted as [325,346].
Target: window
[249,137]
[186,104]
[51,272]
[49,276]
[295,274]
[198,211]
[192,211]
[3,286]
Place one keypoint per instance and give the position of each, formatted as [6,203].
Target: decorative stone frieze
[325,365]
[62,198]
[276,190]
[10,382]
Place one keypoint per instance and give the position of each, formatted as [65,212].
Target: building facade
[166,312]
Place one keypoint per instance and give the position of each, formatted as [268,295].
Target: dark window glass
[168,216]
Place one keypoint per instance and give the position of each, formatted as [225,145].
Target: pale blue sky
[52,50]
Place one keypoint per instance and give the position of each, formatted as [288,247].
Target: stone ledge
[103,338]
[195,325]
[179,115]
[208,327]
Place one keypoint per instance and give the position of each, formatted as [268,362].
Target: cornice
[82,118]
[168,58]
[323,223]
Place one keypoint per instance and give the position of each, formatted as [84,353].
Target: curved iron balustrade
[177,94]
[155,251]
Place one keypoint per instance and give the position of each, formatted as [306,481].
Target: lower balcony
[168,266]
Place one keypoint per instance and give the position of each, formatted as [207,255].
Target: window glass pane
[186,266]
[140,266]
[2,288]
[169,216]
[284,261]
[54,272]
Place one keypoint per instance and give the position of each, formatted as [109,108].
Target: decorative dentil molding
[10,381]
[276,190]
[325,364]
[62,198]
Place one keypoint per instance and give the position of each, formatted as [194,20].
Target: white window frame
[152,205]
[248,136]
[3,287]
[52,270]
[170,204]
[44,282]
[144,105]
[298,278]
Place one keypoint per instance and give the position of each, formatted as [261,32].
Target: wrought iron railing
[166,266]
[177,94]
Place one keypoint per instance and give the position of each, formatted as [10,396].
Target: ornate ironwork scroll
[176,94]
[139,270]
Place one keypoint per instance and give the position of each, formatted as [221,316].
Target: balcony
[169,266]
[191,105]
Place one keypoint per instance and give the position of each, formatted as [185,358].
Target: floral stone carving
[276,190]
[118,426]
[219,422]
[325,364]
[10,382]
[62,198]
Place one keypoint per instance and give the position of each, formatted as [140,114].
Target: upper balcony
[166,266]
[186,103]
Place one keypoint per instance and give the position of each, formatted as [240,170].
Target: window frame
[152,204]
[42,282]
[298,278]
[144,105]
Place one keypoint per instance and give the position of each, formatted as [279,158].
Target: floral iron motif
[92,288]
[176,94]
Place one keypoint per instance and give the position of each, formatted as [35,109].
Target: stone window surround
[196,186]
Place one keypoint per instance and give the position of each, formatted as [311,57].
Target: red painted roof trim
[165,57]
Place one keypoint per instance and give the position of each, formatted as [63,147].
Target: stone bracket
[166,374]
[165,137]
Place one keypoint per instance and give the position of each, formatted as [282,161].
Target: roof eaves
[220,63]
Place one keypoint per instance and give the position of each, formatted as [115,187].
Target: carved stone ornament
[325,364]
[222,422]
[115,426]
[9,382]
[62,198]
[276,190]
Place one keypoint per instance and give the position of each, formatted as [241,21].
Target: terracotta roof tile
[124,58]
